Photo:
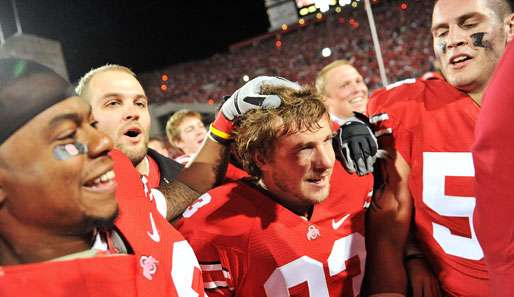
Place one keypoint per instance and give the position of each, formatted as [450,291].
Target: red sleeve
[494,162]
[233,173]
[219,237]
[392,112]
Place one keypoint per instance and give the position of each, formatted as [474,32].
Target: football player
[59,229]
[296,227]
[427,126]
[494,144]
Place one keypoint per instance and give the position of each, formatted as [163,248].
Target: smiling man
[428,129]
[59,229]
[343,90]
[296,227]
[185,131]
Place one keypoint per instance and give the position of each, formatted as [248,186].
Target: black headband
[26,89]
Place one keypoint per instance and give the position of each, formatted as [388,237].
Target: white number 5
[436,166]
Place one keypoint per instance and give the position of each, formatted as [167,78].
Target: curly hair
[259,130]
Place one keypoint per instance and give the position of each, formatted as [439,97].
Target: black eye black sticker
[479,40]
[442,46]
[67,151]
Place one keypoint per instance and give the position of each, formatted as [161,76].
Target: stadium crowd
[406,51]
[301,186]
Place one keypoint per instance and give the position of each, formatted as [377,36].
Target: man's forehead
[452,10]
[344,72]
[115,81]
[72,105]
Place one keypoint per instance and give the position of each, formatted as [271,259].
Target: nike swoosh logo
[155,234]
[338,223]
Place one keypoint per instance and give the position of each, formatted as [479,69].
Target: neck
[341,116]
[143,167]
[28,247]
[299,208]
[477,96]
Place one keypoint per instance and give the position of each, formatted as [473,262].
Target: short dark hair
[502,8]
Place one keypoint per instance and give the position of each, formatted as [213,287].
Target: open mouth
[104,182]
[459,59]
[133,132]
[317,180]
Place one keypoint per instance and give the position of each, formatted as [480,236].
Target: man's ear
[259,160]
[509,27]
[178,144]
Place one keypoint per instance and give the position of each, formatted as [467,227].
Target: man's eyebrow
[74,117]
[466,16]
[460,20]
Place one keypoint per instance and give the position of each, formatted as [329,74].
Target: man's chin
[105,223]
[135,155]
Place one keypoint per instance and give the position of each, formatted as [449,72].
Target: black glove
[356,146]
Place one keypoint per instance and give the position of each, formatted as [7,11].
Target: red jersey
[432,124]
[493,164]
[250,245]
[162,264]
[165,258]
[114,276]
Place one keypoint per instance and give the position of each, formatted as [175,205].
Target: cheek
[109,125]
[145,120]
[439,49]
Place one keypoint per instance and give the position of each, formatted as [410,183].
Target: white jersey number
[183,269]
[436,166]
[306,269]
[193,208]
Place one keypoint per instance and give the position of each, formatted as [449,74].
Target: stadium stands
[403,35]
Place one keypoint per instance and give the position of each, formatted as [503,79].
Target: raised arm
[208,168]
[387,229]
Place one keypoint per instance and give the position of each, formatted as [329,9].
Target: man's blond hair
[259,130]
[174,121]
[84,80]
[321,78]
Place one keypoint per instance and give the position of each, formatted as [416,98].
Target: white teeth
[356,100]
[106,177]
[459,59]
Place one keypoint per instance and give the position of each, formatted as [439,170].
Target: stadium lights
[326,52]
[323,5]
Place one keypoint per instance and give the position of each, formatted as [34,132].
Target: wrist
[222,127]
